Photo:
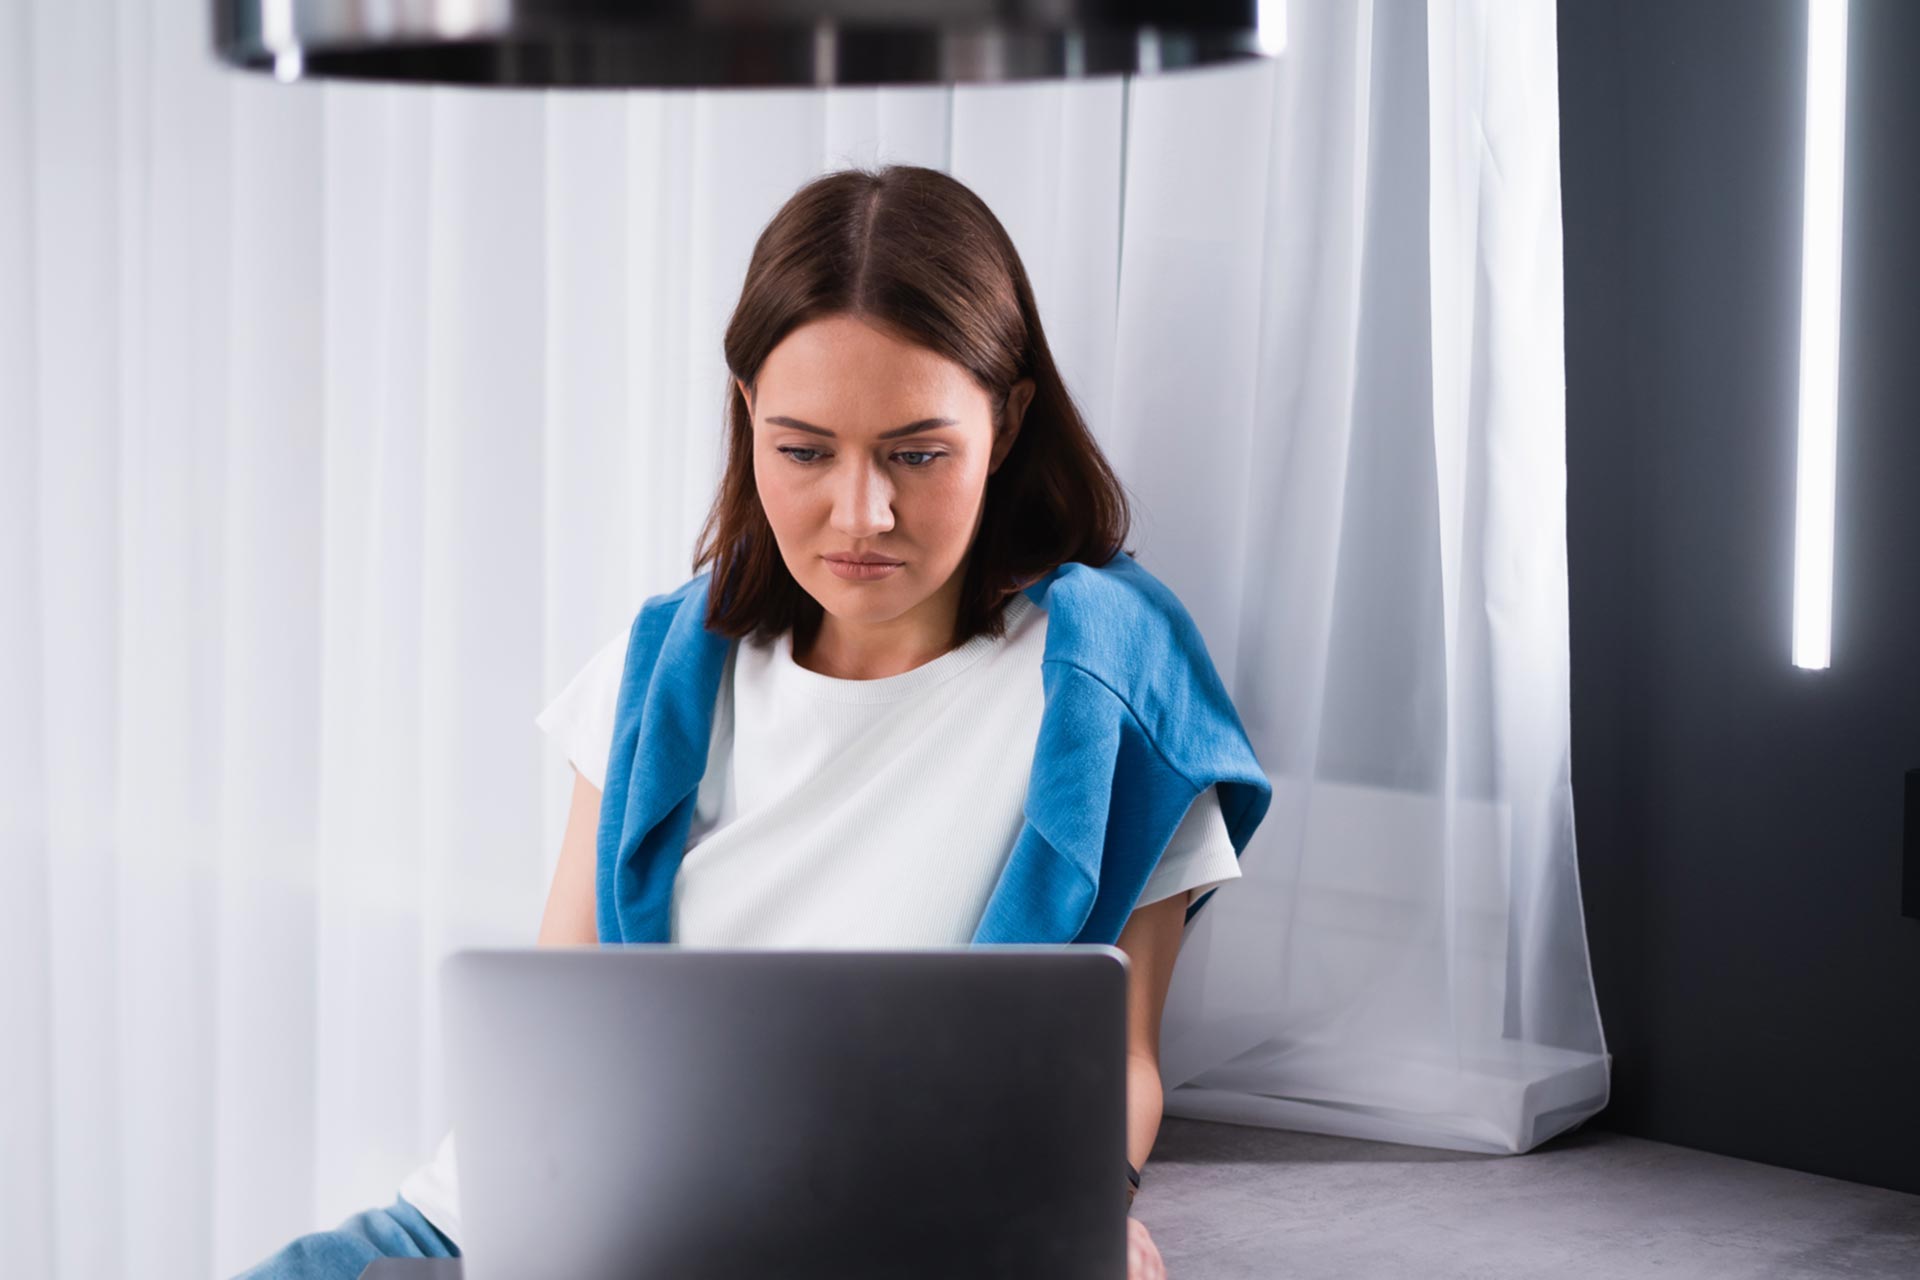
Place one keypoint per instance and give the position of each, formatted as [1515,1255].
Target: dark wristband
[1133,1183]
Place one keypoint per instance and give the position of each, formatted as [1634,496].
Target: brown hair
[912,251]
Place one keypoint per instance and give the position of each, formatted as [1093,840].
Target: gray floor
[1225,1202]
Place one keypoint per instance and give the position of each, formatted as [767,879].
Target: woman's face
[867,447]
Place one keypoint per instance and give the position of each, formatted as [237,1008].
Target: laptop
[652,1111]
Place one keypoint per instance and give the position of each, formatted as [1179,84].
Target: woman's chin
[862,602]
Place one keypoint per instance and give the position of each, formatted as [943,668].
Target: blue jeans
[399,1231]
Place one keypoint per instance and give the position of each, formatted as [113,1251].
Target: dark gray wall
[1739,819]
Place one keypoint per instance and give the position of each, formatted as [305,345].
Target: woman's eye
[912,459]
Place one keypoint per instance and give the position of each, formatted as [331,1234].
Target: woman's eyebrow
[925,424]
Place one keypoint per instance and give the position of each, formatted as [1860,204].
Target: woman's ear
[1019,396]
[746,397]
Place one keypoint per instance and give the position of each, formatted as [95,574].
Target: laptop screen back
[659,1111]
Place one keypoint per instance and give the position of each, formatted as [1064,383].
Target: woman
[919,697]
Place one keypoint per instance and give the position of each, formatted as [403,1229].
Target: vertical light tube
[1271,15]
[1820,332]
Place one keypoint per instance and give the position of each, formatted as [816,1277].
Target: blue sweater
[1136,725]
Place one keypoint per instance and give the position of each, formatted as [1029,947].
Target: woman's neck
[873,651]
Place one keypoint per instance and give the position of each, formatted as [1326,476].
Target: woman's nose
[862,501]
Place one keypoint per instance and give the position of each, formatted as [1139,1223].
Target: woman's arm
[1152,942]
[570,918]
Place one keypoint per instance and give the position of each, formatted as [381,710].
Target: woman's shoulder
[1135,644]
[669,602]
[657,613]
[1139,665]
[648,631]
[1116,618]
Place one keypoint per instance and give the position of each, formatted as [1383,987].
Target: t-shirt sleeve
[580,720]
[1198,858]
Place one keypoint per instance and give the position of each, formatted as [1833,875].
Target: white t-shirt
[851,813]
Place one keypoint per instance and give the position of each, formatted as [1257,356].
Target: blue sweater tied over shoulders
[1136,725]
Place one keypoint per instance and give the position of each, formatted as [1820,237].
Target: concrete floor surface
[1225,1202]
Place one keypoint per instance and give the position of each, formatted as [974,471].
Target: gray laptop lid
[660,1111]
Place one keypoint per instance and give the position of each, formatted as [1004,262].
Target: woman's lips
[852,571]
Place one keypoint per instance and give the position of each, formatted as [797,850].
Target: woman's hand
[1143,1256]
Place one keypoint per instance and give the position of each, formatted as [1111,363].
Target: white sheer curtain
[341,423]
[1371,533]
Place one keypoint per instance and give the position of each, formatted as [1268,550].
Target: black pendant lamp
[717,43]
